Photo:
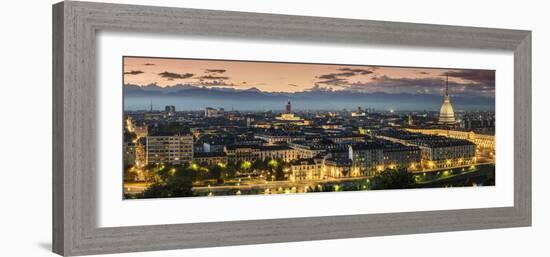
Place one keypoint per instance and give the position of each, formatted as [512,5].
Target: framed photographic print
[183,128]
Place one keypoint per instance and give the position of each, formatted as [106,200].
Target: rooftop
[307,161]
[209,154]
[273,148]
[338,161]
[279,132]
[423,139]
[367,146]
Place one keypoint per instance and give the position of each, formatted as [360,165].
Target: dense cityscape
[213,152]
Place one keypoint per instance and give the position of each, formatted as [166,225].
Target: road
[435,178]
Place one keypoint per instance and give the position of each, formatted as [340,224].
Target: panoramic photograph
[199,127]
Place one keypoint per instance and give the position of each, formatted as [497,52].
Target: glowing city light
[310,152]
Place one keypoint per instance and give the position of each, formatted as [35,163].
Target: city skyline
[214,128]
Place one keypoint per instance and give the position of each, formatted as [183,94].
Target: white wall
[25,104]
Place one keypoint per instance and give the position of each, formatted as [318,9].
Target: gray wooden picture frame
[75,25]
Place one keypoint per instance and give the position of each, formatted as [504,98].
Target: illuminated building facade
[398,156]
[129,150]
[410,121]
[306,169]
[338,168]
[257,152]
[437,155]
[237,153]
[308,149]
[141,131]
[213,112]
[482,141]
[271,152]
[290,118]
[272,137]
[169,149]
[210,158]
[359,113]
[436,151]
[366,157]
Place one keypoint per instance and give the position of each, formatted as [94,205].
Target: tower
[170,110]
[410,121]
[288,108]
[446,113]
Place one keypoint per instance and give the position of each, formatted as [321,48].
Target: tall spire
[446,113]
[447,87]
[288,108]
[150,105]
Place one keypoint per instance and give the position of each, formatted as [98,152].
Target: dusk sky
[292,77]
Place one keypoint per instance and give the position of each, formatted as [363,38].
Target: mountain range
[190,97]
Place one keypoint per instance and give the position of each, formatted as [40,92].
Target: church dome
[446,113]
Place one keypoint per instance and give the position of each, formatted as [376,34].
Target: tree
[392,179]
[245,166]
[163,174]
[174,182]
[230,171]
[257,165]
[216,171]
[272,164]
[182,182]
[155,191]
[130,175]
[279,172]
[151,172]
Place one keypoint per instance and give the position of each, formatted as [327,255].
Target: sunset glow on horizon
[297,77]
